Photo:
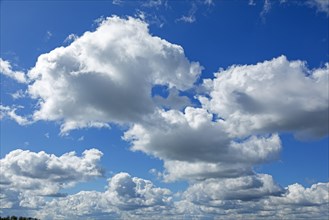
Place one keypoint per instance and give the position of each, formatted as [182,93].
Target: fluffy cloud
[129,193]
[45,174]
[93,81]
[273,96]
[194,145]
[254,197]
[126,197]
[6,69]
[212,192]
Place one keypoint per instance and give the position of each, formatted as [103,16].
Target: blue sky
[164,109]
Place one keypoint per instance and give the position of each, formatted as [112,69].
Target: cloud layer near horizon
[127,197]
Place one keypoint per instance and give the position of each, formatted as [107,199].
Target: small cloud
[81,138]
[117,2]
[10,112]
[320,5]
[190,17]
[156,173]
[209,2]
[48,35]
[266,9]
[153,3]
[70,38]
[252,3]
[47,135]
[6,69]
[18,94]
[98,21]
[150,18]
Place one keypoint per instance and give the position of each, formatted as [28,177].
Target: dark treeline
[17,218]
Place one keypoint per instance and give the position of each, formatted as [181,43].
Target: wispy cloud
[6,69]
[190,17]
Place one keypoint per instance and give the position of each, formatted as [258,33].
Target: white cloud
[18,94]
[273,96]
[46,174]
[190,17]
[153,3]
[6,69]
[10,112]
[71,38]
[93,81]
[212,192]
[29,176]
[117,2]
[48,35]
[266,9]
[193,145]
[130,193]
[254,197]
[209,2]
[173,101]
[126,197]
[320,5]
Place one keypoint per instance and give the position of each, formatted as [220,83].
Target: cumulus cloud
[6,69]
[173,101]
[251,197]
[93,81]
[272,96]
[125,197]
[194,145]
[212,192]
[46,174]
[259,197]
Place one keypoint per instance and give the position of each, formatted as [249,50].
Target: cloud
[272,96]
[154,3]
[193,145]
[212,192]
[320,5]
[229,163]
[173,101]
[30,176]
[10,112]
[249,197]
[70,38]
[131,193]
[125,197]
[6,69]
[93,81]
[45,174]
[258,198]
[117,2]
[190,17]
[48,35]
[266,9]
[18,94]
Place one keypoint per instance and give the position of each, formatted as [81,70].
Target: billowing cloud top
[107,75]
[272,96]
[46,174]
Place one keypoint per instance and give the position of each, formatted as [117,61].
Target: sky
[159,109]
